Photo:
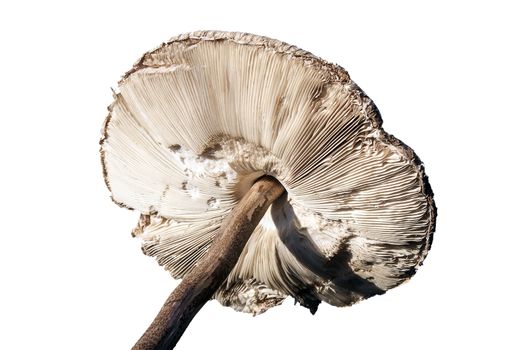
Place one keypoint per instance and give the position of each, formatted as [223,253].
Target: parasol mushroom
[261,171]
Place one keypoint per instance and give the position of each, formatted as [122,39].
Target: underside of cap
[199,119]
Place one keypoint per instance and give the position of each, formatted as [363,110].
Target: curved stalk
[199,285]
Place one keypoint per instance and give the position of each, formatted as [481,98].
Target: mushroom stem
[199,285]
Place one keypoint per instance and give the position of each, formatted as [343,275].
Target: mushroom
[261,171]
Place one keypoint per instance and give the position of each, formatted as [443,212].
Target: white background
[448,78]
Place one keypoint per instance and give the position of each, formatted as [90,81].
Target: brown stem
[198,286]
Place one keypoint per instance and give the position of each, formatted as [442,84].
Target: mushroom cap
[196,121]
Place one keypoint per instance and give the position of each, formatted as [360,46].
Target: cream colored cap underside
[200,118]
